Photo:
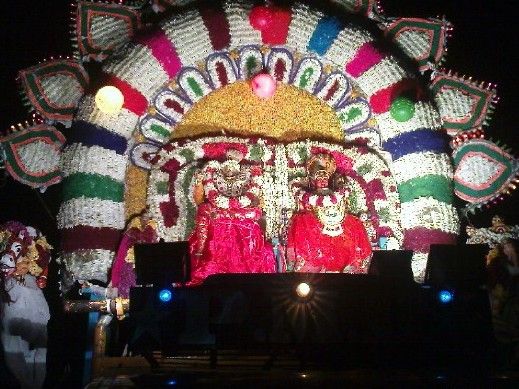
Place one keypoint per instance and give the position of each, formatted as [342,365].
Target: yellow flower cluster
[291,114]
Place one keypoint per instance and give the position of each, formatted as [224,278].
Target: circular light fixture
[109,99]
[303,290]
[165,295]
[445,296]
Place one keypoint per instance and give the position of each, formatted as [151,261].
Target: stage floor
[365,378]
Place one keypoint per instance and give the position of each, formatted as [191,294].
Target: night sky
[483,45]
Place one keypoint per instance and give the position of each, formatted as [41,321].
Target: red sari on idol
[314,251]
[228,240]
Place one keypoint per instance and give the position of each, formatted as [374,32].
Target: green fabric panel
[431,185]
[92,186]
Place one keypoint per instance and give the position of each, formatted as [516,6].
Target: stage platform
[361,378]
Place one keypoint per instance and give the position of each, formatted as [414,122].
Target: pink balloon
[264,86]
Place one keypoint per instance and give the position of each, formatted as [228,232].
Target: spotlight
[165,295]
[303,290]
[171,382]
[109,99]
[445,296]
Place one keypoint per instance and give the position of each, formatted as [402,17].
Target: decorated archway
[185,80]
[188,77]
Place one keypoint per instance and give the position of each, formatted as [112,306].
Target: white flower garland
[308,199]
[430,213]
[78,158]
[91,212]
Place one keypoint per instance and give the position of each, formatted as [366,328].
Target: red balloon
[260,17]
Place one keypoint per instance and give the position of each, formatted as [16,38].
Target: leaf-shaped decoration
[483,171]
[101,28]
[423,40]
[463,104]
[54,88]
[32,155]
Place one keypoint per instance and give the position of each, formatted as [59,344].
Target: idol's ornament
[24,261]
[186,72]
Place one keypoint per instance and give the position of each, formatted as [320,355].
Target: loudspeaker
[162,264]
[456,265]
[394,264]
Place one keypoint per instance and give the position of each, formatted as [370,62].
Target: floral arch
[337,67]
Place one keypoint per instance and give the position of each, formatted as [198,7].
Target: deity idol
[322,237]
[228,237]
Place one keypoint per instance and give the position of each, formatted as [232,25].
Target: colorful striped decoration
[419,239]
[420,140]
[435,186]
[218,26]
[88,134]
[92,186]
[134,100]
[163,50]
[89,238]
[325,33]
[367,56]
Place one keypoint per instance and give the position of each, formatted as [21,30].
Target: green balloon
[402,109]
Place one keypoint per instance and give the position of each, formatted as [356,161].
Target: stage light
[303,290]
[109,99]
[165,295]
[445,296]
[171,382]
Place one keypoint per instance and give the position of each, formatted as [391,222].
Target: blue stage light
[445,296]
[171,382]
[165,295]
